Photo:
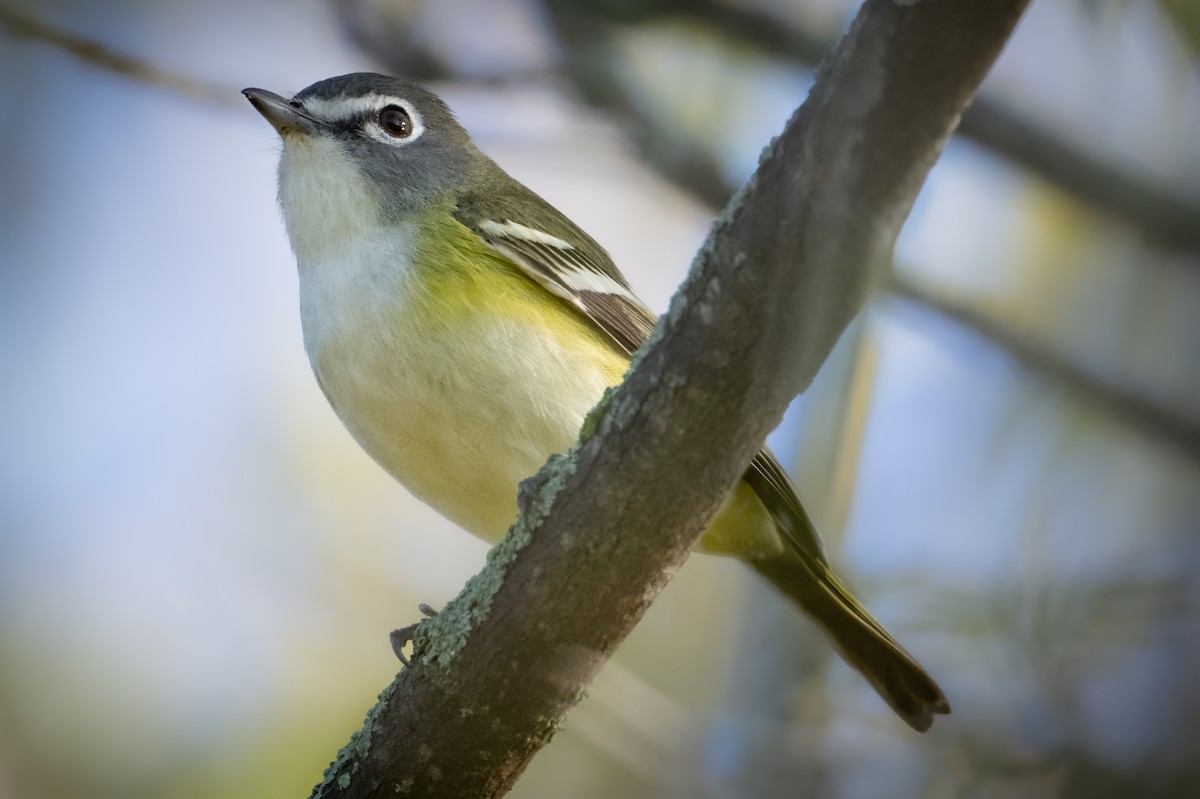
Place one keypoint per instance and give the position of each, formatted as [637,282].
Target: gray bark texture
[602,529]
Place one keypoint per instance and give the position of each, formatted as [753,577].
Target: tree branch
[603,528]
[106,58]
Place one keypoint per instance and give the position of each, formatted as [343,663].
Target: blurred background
[199,568]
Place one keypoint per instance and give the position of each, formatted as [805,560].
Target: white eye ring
[375,125]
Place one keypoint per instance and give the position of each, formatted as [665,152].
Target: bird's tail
[860,639]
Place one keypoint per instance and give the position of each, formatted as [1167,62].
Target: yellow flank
[460,375]
[742,527]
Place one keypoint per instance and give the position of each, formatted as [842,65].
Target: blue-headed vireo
[462,328]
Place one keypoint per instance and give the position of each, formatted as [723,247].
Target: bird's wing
[569,264]
[563,260]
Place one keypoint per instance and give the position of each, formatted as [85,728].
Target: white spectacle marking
[335,108]
[341,108]
[514,230]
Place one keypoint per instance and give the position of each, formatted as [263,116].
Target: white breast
[459,411]
[459,415]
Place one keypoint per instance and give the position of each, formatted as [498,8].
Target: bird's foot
[402,637]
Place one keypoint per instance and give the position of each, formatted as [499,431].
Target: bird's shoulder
[554,252]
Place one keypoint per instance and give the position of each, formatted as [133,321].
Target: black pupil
[394,120]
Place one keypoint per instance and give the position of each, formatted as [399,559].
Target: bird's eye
[395,122]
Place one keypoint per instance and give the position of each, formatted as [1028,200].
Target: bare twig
[1142,414]
[111,60]
[601,530]
[1164,216]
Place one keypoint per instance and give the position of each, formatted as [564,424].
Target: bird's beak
[284,116]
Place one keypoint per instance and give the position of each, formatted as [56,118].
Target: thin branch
[602,529]
[1165,216]
[1150,418]
[111,60]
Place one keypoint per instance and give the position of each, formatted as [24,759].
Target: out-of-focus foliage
[1185,16]
[198,568]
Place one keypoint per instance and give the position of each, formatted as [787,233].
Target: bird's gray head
[363,149]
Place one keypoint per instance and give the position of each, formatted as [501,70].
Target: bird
[461,327]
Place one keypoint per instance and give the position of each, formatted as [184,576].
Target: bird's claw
[403,636]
